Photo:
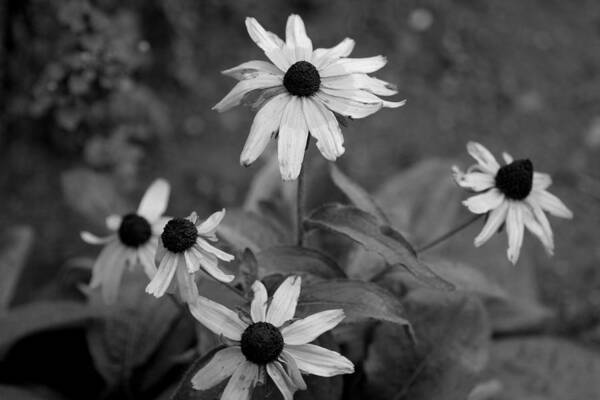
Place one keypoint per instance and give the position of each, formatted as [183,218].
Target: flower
[513,193]
[133,242]
[300,91]
[270,340]
[182,249]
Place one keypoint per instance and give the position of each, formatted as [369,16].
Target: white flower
[272,340]
[512,193]
[182,249]
[133,242]
[300,91]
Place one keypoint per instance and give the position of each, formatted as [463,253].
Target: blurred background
[120,92]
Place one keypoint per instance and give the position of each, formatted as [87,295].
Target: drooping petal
[164,275]
[308,329]
[113,222]
[90,238]
[186,283]
[292,370]
[541,181]
[146,257]
[220,367]
[541,218]
[242,382]
[532,224]
[477,181]
[208,226]
[107,257]
[324,127]
[155,200]
[258,308]
[204,245]
[551,203]
[345,66]
[281,380]
[353,103]
[210,264]
[323,57]
[483,156]
[251,69]
[297,40]
[495,219]
[242,88]
[484,202]
[265,125]
[291,143]
[267,42]
[112,276]
[285,299]
[360,81]
[514,230]
[319,361]
[218,318]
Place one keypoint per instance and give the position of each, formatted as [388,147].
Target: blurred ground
[520,76]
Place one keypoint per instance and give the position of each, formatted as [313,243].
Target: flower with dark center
[179,235]
[512,194]
[302,79]
[134,230]
[262,343]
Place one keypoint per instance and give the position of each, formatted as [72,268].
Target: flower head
[269,340]
[133,241]
[300,92]
[513,194]
[182,249]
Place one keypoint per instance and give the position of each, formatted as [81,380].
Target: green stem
[450,233]
[300,208]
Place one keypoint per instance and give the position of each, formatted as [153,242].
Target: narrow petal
[493,223]
[281,380]
[146,257]
[242,88]
[113,222]
[323,57]
[251,69]
[360,81]
[484,202]
[186,283]
[90,238]
[477,181]
[268,43]
[319,361]
[107,257]
[283,305]
[204,245]
[514,230]
[507,158]
[532,224]
[164,275]
[218,318]
[220,367]
[242,382]
[292,370]
[551,203]
[210,264]
[541,181]
[258,308]
[113,275]
[209,225]
[291,143]
[339,102]
[264,127]
[324,127]
[345,66]
[541,218]
[483,156]
[308,329]
[297,40]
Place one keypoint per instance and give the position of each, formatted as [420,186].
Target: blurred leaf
[15,246]
[364,229]
[545,368]
[248,272]
[486,390]
[266,185]
[19,393]
[359,300]
[297,260]
[359,197]
[244,229]
[452,335]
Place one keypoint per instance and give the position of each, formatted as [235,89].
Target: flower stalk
[450,233]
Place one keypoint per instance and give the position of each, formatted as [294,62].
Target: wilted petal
[242,88]
[210,264]
[282,380]
[324,127]
[292,370]
[218,318]
[345,66]
[536,228]
[297,40]
[268,43]
[319,361]
[340,103]
[360,81]
[541,218]
[495,219]
[514,230]
[484,202]
[251,69]
[293,135]
[112,276]
[155,200]
[187,286]
[146,257]
[477,181]
[283,305]
[485,159]
[242,382]
[551,203]
[164,275]
[220,367]
[308,329]
[209,248]
[107,257]
[323,57]
[258,308]
[90,238]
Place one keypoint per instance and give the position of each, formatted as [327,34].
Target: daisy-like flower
[183,248]
[299,92]
[513,194]
[133,242]
[269,341]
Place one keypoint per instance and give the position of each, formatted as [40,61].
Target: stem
[450,233]
[234,290]
[300,208]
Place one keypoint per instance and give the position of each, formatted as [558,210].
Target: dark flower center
[302,79]
[515,179]
[134,230]
[261,343]
[179,235]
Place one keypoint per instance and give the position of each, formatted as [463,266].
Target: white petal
[204,245]
[112,276]
[291,143]
[159,225]
[347,107]
[218,318]
[292,370]
[514,230]
[484,202]
[208,226]
[495,219]
[258,308]
[265,125]
[323,57]
[113,222]
[186,283]
[146,257]
[485,159]
[242,88]
[164,275]
[210,264]
[536,228]
[319,361]
[155,200]
[507,158]
[90,238]
[283,305]
[477,181]
[308,329]
[541,181]
[541,218]
[281,380]
[324,127]
[242,382]
[267,42]
[360,81]
[297,40]
[345,66]
[107,257]
[251,69]
[551,203]
[220,367]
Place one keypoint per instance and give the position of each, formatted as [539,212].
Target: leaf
[15,246]
[545,368]
[364,229]
[452,334]
[245,229]
[359,300]
[248,271]
[359,197]
[297,260]
[19,393]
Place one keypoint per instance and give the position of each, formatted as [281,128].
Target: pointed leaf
[297,260]
[244,229]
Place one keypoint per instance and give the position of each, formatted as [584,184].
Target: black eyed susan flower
[183,248]
[133,241]
[514,194]
[270,341]
[300,91]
